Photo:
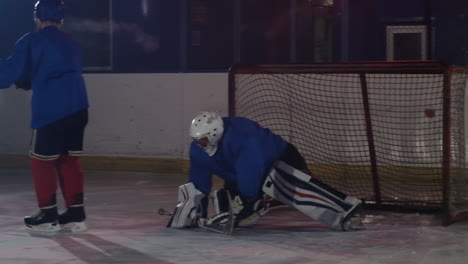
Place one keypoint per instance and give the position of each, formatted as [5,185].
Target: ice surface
[124,227]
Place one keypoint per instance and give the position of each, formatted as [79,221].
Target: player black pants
[55,157]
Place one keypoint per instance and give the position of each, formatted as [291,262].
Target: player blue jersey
[245,154]
[51,61]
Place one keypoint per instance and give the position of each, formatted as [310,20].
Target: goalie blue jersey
[245,154]
[50,61]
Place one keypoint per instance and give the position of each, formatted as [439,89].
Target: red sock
[45,181]
[71,179]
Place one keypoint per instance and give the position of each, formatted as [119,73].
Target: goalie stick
[221,223]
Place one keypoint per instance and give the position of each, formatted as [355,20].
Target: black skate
[44,221]
[72,220]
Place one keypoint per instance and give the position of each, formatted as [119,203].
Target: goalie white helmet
[207,129]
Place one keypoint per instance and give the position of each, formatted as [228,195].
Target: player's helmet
[207,129]
[49,10]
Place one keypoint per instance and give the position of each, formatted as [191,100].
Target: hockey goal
[390,133]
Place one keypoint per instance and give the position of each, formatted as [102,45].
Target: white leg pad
[296,189]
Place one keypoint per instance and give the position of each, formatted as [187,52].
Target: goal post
[390,133]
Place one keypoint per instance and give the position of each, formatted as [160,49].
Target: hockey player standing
[254,161]
[49,62]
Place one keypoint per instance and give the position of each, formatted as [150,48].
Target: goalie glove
[189,207]
[25,85]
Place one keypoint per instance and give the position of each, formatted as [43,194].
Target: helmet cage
[207,125]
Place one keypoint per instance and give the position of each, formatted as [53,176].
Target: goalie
[254,163]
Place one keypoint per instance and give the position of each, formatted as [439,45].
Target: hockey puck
[163,211]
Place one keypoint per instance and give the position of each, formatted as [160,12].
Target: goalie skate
[267,204]
[221,223]
[353,223]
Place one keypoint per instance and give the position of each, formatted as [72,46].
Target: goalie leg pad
[310,196]
[189,207]
[222,202]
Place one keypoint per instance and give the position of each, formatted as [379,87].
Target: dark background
[148,36]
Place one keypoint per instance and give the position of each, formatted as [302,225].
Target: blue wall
[148,36]
[146,42]
[16,20]
[451,31]
[145,35]
[447,22]
[368,20]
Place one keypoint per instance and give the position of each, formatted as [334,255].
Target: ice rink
[124,227]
